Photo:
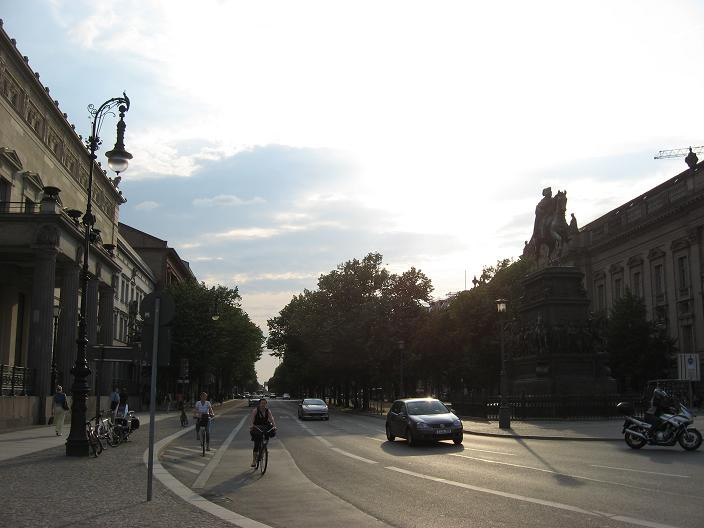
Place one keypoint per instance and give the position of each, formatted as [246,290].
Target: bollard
[505,416]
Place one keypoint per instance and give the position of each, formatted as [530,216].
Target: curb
[544,437]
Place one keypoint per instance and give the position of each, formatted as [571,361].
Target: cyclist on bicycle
[202,412]
[261,417]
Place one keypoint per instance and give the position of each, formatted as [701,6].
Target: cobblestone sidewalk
[48,489]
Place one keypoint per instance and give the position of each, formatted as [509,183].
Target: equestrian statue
[550,230]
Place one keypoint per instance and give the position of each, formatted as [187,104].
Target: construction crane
[689,154]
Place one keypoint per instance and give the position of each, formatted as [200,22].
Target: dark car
[422,419]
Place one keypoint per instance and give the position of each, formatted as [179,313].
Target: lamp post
[118,159]
[57,313]
[401,346]
[504,408]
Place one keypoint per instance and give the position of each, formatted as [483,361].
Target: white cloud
[148,205]
[226,200]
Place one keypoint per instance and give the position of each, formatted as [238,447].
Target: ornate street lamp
[57,314]
[504,409]
[118,158]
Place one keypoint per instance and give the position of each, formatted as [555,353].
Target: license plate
[442,431]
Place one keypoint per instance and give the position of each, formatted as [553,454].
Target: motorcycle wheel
[634,442]
[690,440]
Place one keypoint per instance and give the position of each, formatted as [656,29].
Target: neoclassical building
[652,245]
[44,168]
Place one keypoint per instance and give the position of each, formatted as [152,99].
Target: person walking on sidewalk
[114,399]
[60,408]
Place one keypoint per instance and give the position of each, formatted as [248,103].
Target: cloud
[226,200]
[148,205]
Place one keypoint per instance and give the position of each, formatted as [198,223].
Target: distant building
[164,261]
[652,245]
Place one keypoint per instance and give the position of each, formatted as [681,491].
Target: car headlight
[422,425]
[457,423]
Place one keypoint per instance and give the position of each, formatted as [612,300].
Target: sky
[274,140]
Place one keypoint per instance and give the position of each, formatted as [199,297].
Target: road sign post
[157,310]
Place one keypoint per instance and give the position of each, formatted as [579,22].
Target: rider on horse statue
[550,228]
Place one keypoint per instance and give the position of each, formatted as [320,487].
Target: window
[687,340]
[600,297]
[618,289]
[115,329]
[637,284]
[682,273]
[659,279]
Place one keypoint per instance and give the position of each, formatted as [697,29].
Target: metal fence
[15,381]
[549,407]
[19,207]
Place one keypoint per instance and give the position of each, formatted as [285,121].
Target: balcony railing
[15,381]
[19,207]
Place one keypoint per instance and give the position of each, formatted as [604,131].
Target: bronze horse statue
[551,232]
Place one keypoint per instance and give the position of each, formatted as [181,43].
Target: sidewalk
[45,488]
[40,437]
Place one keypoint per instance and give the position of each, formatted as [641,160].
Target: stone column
[65,355]
[92,311]
[41,324]
[106,306]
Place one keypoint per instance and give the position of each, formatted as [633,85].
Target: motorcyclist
[660,404]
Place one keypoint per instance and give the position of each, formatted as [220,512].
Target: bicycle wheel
[184,420]
[263,459]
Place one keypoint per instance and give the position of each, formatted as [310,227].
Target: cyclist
[202,411]
[260,416]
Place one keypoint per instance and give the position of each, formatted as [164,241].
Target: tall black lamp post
[54,370]
[118,159]
[504,408]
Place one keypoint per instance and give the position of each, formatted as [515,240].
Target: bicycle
[263,453]
[184,418]
[205,434]
[105,430]
[94,443]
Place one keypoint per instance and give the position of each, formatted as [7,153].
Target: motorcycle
[665,430]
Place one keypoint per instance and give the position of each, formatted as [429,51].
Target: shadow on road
[561,478]
[431,448]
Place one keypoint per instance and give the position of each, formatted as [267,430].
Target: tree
[639,350]
[221,353]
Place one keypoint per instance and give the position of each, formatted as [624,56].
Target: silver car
[313,408]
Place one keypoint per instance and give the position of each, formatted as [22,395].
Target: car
[272,395]
[254,400]
[313,408]
[286,396]
[422,419]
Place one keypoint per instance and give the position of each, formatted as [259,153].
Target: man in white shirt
[202,411]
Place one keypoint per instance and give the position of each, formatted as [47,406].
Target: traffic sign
[688,367]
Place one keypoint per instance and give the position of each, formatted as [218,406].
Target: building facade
[652,246]
[43,191]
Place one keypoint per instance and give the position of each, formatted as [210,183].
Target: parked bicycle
[94,443]
[105,430]
[266,432]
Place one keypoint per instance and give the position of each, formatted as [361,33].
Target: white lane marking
[533,500]
[214,461]
[641,471]
[179,489]
[184,460]
[543,470]
[351,455]
[190,449]
[182,468]
[487,451]
[374,438]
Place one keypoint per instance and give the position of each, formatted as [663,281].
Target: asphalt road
[344,472]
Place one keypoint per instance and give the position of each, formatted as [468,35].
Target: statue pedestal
[556,348]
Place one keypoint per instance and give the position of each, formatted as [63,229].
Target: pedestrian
[114,399]
[168,402]
[60,408]
[122,409]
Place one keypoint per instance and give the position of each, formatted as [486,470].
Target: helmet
[659,395]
